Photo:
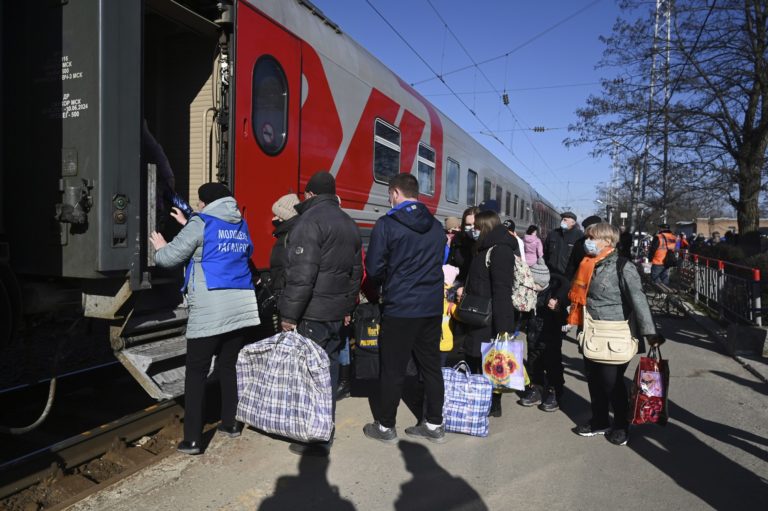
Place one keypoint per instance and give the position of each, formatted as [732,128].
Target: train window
[514,211]
[499,194]
[452,181]
[386,152]
[486,189]
[471,187]
[426,169]
[269,118]
[522,210]
[506,207]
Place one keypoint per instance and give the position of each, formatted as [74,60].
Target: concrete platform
[712,455]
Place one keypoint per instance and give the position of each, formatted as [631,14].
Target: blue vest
[226,250]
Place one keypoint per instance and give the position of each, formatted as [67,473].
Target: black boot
[345,384]
[495,405]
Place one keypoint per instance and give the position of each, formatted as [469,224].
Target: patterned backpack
[523,287]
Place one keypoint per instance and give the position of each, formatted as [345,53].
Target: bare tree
[693,107]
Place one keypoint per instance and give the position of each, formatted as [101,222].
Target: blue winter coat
[405,255]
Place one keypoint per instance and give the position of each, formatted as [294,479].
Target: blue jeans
[660,274]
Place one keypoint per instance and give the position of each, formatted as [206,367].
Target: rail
[730,290]
[44,463]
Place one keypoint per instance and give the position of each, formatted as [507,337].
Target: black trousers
[398,338]
[606,387]
[200,352]
[545,349]
[327,334]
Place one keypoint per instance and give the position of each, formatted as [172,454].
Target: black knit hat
[321,182]
[490,205]
[568,214]
[210,192]
[591,220]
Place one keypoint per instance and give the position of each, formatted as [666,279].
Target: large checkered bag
[467,400]
[284,388]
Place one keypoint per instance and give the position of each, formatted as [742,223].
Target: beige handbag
[607,342]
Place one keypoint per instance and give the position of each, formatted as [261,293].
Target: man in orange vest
[664,244]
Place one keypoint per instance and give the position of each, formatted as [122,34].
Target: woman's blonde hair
[603,231]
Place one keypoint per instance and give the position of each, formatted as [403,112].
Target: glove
[655,339]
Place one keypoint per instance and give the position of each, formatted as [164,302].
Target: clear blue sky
[547,79]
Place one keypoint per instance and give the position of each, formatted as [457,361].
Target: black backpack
[366,323]
[670,259]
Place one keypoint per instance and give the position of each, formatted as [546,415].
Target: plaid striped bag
[284,387]
[467,400]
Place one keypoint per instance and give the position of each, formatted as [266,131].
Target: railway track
[60,474]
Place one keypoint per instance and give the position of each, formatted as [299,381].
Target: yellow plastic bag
[446,337]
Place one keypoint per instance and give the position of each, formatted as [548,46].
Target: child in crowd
[449,304]
[545,342]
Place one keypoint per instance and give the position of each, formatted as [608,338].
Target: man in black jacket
[322,277]
[405,254]
[563,251]
[578,253]
[560,242]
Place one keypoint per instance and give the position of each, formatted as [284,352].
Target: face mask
[468,228]
[475,234]
[564,225]
[590,247]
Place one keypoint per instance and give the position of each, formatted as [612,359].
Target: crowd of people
[418,270]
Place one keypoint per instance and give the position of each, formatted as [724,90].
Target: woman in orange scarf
[597,287]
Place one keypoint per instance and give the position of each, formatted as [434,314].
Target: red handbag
[650,389]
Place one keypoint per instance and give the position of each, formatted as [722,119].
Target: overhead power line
[518,89]
[513,50]
[471,111]
[503,96]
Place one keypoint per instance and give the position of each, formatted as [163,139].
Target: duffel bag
[284,388]
[467,400]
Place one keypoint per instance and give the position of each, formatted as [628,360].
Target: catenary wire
[474,114]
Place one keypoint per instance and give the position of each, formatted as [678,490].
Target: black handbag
[474,310]
[267,302]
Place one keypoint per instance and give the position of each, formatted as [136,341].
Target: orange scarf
[578,293]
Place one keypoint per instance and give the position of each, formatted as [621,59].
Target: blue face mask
[564,225]
[590,247]
[475,234]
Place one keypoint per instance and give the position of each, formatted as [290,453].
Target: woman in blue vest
[215,247]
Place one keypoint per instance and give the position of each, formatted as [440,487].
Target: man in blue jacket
[405,254]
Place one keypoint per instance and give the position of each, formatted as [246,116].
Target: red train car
[256,94]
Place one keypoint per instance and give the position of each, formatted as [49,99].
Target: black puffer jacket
[324,269]
[495,283]
[278,259]
[557,248]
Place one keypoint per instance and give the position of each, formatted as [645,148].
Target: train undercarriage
[91,89]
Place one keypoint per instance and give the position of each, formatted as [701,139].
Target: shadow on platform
[432,487]
[309,489]
[698,468]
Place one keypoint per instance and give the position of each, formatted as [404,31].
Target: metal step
[158,366]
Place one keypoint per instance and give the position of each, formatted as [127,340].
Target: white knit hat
[540,274]
[283,208]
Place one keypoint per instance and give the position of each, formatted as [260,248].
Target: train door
[266,124]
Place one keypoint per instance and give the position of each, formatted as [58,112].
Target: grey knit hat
[540,274]
[283,208]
